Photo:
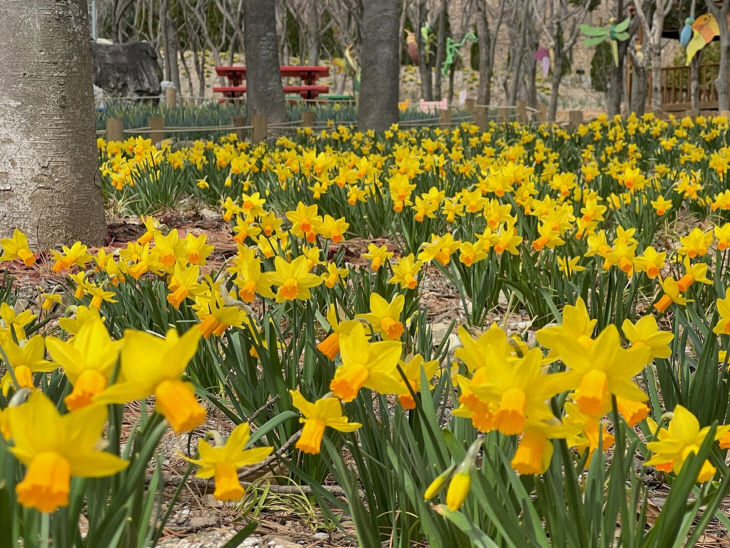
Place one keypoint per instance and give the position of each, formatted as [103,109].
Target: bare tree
[652,47]
[720,14]
[49,176]
[380,61]
[562,14]
[487,35]
[263,79]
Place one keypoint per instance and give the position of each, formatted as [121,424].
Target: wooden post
[469,104]
[171,97]
[445,117]
[503,114]
[521,112]
[575,118]
[114,129]
[307,118]
[239,122]
[480,117]
[157,129]
[692,113]
[260,127]
[542,113]
[725,113]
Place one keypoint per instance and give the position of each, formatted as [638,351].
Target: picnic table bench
[309,90]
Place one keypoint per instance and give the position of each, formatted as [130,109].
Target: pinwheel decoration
[452,49]
[543,54]
[615,33]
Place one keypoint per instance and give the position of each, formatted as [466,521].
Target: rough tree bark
[263,79]
[487,37]
[378,108]
[49,180]
[653,42]
[721,86]
[424,67]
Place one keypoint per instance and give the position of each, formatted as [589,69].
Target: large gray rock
[127,70]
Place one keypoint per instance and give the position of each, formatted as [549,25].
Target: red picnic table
[309,89]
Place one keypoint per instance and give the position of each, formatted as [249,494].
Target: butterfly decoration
[615,33]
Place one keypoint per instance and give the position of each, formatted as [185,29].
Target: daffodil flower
[152,365]
[384,316]
[324,412]
[56,447]
[366,364]
[88,359]
[223,462]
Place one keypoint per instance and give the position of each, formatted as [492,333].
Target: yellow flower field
[611,239]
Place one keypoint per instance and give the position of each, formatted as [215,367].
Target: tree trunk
[694,80]
[556,77]
[721,82]
[49,177]
[423,65]
[263,78]
[313,22]
[440,51]
[722,75]
[639,87]
[378,107]
[485,62]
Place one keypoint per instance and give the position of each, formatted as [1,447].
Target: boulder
[127,70]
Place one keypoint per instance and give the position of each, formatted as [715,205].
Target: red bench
[308,75]
[307,92]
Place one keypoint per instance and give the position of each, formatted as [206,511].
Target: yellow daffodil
[17,248]
[384,316]
[153,365]
[366,364]
[88,359]
[64,446]
[324,412]
[681,438]
[293,279]
[378,255]
[223,462]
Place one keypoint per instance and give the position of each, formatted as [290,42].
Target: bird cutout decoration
[615,33]
[543,54]
[412,45]
[704,31]
[686,34]
[452,49]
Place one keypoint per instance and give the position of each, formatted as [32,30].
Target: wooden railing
[677,92]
